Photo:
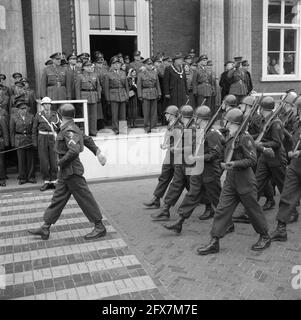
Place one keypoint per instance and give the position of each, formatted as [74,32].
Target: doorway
[112,45]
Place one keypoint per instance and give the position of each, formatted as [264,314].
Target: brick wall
[257,12]
[176,25]
[66,25]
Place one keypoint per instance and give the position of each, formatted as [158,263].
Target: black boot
[211,247]
[208,214]
[98,231]
[243,218]
[294,217]
[263,242]
[163,215]
[280,233]
[43,231]
[175,226]
[269,204]
[45,187]
[153,203]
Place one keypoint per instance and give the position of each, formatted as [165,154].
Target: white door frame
[83,31]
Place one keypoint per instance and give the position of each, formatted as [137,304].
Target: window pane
[104,22]
[125,7]
[274,11]
[93,7]
[289,63]
[125,23]
[273,63]
[291,12]
[104,7]
[290,40]
[94,22]
[274,40]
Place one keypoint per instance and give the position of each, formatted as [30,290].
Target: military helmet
[46,100]
[67,111]
[203,112]
[186,111]
[268,103]
[231,100]
[248,100]
[298,102]
[234,116]
[173,110]
[290,97]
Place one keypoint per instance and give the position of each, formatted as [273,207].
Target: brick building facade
[259,30]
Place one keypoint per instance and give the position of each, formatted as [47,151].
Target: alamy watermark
[296,280]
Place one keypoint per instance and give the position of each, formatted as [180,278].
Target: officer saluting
[68,145]
[43,137]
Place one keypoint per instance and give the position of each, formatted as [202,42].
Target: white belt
[46,133]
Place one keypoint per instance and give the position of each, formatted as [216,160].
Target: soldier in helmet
[45,125]
[183,147]
[291,192]
[207,181]
[167,171]
[68,145]
[239,186]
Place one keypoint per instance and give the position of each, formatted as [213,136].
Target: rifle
[298,144]
[286,119]
[255,108]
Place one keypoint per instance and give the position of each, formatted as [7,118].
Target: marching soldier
[207,181]
[4,142]
[4,93]
[116,92]
[69,144]
[54,82]
[237,78]
[44,129]
[88,88]
[21,137]
[167,171]
[149,91]
[291,193]
[239,186]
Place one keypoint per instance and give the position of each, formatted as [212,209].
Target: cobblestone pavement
[235,273]
[66,266]
[138,259]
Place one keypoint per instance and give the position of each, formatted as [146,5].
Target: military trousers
[2,167]
[196,189]
[179,182]
[26,163]
[118,110]
[167,173]
[290,195]
[47,156]
[230,197]
[150,113]
[92,118]
[264,173]
[77,186]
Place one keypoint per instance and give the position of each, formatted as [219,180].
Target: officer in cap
[17,76]
[84,57]
[72,72]
[4,93]
[4,143]
[29,96]
[137,63]
[239,186]
[19,94]
[54,82]
[46,124]
[149,92]
[68,145]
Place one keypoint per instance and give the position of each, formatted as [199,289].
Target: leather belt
[45,133]
[86,90]
[23,134]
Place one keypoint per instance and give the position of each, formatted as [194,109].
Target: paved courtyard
[138,259]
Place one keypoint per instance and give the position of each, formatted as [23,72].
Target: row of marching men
[256,144]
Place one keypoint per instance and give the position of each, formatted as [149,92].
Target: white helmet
[46,100]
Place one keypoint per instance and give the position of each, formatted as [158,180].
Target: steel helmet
[186,111]
[46,100]
[268,103]
[203,112]
[249,100]
[173,110]
[234,116]
[290,97]
[67,111]
[230,100]
[298,102]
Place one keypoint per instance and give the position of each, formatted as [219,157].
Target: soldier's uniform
[136,64]
[30,99]
[202,86]
[88,88]
[4,95]
[117,94]
[237,78]
[43,138]
[21,135]
[72,74]
[102,107]
[148,88]
[4,142]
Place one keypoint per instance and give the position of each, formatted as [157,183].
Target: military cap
[245,63]
[188,57]
[166,58]
[2,76]
[137,53]
[24,80]
[48,63]
[148,61]
[114,59]
[209,63]
[20,102]
[203,57]
[237,59]
[84,55]
[17,74]
[57,55]
[156,58]
[19,84]
[72,56]
[229,61]
[178,55]
[127,57]
[87,64]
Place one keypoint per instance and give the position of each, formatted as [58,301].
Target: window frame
[282,26]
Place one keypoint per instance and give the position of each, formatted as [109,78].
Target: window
[113,15]
[281,37]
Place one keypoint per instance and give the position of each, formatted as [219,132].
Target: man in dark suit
[224,82]
[248,79]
